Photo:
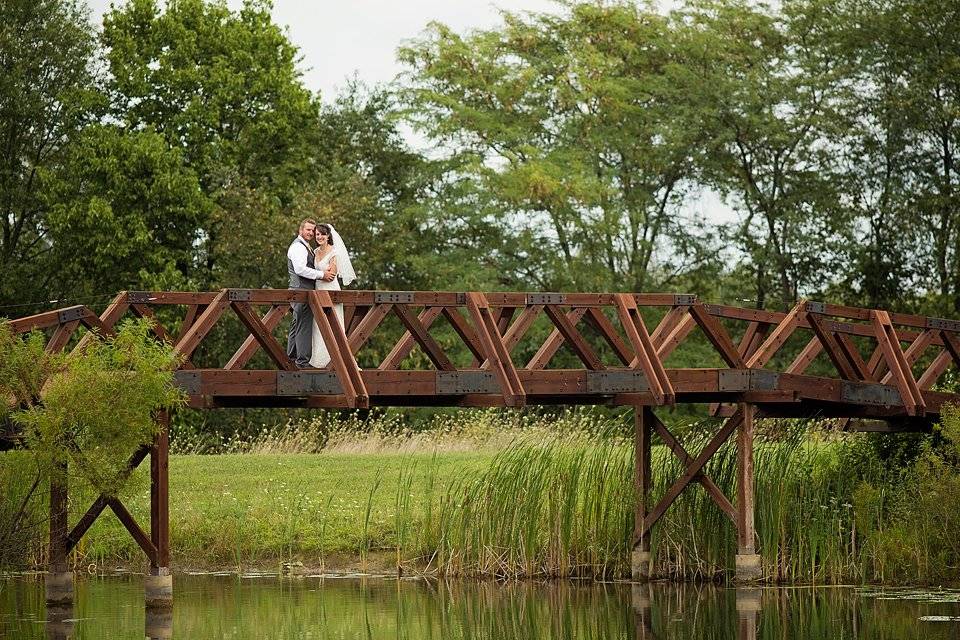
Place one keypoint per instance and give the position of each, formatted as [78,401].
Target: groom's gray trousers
[300,336]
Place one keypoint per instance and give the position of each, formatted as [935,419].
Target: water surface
[230,606]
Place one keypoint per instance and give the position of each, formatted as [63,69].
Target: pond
[348,607]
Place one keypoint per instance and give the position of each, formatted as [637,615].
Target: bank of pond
[549,502]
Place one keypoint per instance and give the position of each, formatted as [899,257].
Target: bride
[332,258]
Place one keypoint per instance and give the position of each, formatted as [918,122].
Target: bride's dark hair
[326,229]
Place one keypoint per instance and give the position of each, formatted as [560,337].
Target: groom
[302,276]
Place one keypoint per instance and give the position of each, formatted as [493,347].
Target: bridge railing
[501,349]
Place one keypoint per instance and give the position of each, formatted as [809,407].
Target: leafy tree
[95,406]
[775,102]
[122,209]
[46,95]
[573,138]
[221,86]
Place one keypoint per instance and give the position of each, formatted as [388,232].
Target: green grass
[243,510]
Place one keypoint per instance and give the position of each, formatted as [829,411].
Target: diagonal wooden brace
[341,358]
[646,356]
[495,351]
[692,470]
[897,364]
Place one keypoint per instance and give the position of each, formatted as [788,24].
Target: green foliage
[572,142]
[99,406]
[47,89]
[25,366]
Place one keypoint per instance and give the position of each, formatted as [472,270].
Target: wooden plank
[746,533]
[777,337]
[134,529]
[642,476]
[61,336]
[195,334]
[160,492]
[935,369]
[574,339]
[916,349]
[366,327]
[423,338]
[717,336]
[341,357]
[806,356]
[677,335]
[553,342]
[495,351]
[692,470]
[902,376]
[667,323]
[407,342]
[91,515]
[262,335]
[709,485]
[188,319]
[833,349]
[605,328]
[465,330]
[646,358]
[270,320]
[519,328]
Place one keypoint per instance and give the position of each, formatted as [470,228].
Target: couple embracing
[312,267]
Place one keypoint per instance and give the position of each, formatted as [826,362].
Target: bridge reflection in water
[877,369]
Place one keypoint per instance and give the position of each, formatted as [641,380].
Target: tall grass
[563,506]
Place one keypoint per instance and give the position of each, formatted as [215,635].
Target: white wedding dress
[320,357]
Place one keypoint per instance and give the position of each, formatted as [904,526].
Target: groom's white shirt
[298,253]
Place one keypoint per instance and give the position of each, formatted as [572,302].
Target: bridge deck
[496,349]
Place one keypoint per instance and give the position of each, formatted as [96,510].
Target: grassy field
[265,509]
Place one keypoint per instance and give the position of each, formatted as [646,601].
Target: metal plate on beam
[393,297]
[238,295]
[733,380]
[816,307]
[461,382]
[943,323]
[138,297]
[684,299]
[305,383]
[865,393]
[187,381]
[71,314]
[546,298]
[763,380]
[616,382]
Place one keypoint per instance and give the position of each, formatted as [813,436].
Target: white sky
[338,39]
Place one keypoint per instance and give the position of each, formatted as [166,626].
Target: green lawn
[242,510]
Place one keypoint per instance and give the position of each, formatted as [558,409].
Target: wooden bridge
[419,348]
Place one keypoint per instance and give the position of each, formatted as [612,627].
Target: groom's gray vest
[297,281]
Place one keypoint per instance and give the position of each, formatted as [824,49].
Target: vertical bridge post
[158,583]
[640,560]
[748,566]
[59,579]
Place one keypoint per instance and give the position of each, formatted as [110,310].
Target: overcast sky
[338,39]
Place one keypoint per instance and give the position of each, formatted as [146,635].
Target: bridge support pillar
[158,583]
[58,583]
[748,567]
[641,596]
[640,558]
[748,613]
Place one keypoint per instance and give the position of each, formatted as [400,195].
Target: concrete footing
[59,587]
[748,568]
[60,621]
[640,567]
[158,588]
[158,623]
